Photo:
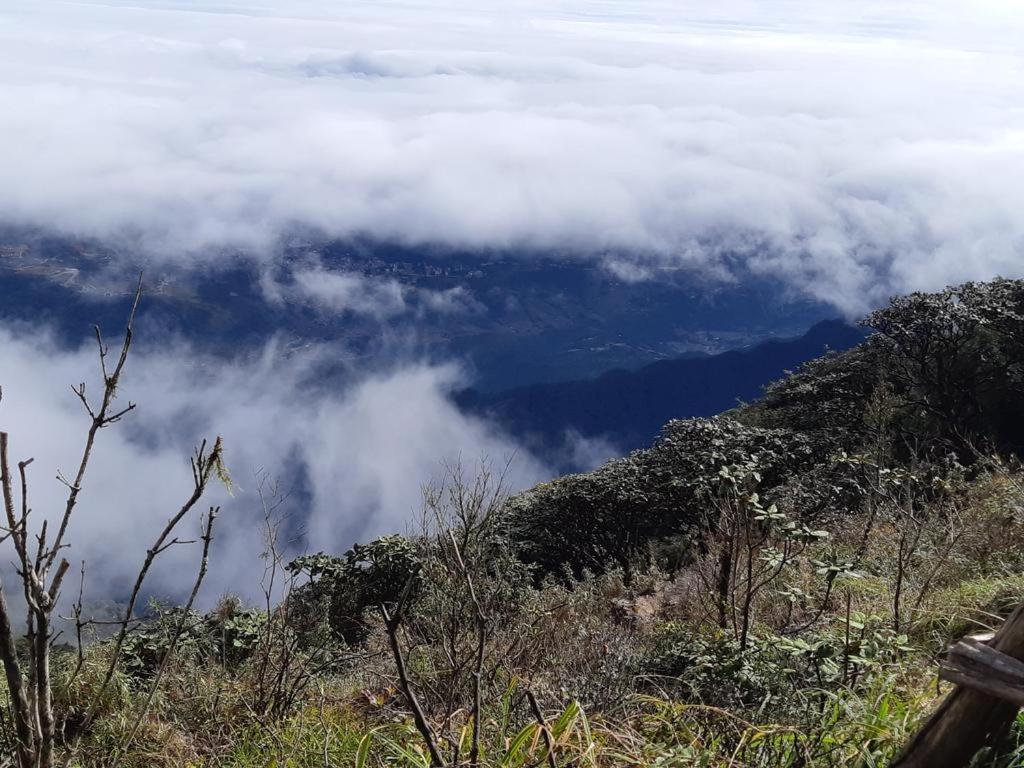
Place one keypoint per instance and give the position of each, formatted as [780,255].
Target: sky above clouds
[850,148]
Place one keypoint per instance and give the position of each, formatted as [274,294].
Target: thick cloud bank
[851,147]
[353,460]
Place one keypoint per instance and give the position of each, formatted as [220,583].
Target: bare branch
[100,419]
[392,621]
[204,465]
[545,731]
[207,539]
[481,628]
[8,648]
[80,393]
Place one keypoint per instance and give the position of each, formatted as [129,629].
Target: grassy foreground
[626,671]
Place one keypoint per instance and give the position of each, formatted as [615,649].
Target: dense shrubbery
[613,516]
[826,677]
[953,361]
[946,368]
[347,587]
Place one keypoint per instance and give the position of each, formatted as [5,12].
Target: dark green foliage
[684,464]
[587,522]
[825,395]
[364,577]
[830,489]
[615,515]
[953,362]
[954,359]
[227,635]
[713,667]
[708,666]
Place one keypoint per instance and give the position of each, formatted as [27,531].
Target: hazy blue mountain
[628,408]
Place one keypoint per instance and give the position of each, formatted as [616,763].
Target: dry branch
[545,731]
[41,570]
[179,628]
[392,622]
[204,465]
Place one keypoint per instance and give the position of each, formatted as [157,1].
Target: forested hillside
[768,587]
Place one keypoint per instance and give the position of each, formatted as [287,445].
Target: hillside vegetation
[769,587]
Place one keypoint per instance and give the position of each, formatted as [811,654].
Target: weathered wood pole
[980,710]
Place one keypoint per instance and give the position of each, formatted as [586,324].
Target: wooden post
[980,710]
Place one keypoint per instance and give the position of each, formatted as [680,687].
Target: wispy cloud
[343,292]
[356,456]
[852,148]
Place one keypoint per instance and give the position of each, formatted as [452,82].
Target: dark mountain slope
[629,407]
[926,400]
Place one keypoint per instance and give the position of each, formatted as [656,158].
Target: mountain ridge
[629,407]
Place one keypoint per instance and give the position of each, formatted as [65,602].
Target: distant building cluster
[13,251]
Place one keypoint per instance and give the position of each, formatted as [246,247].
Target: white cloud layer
[341,292]
[851,147]
[338,294]
[362,454]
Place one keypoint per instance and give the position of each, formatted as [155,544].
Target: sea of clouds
[851,149]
